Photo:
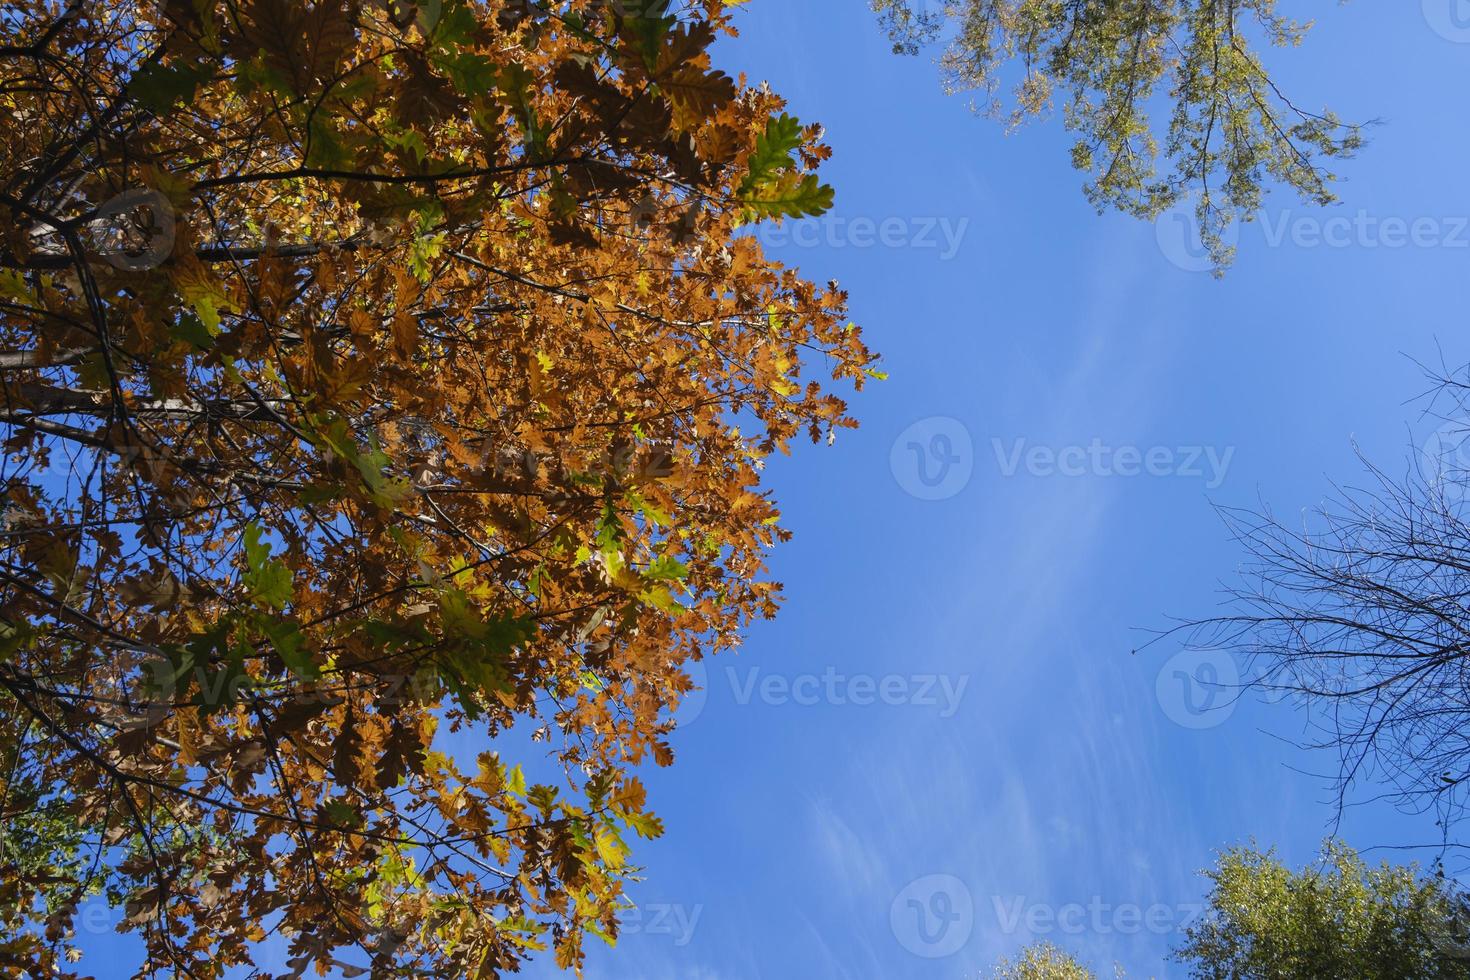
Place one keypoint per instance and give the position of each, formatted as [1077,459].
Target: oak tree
[372,371]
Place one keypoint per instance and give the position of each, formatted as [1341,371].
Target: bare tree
[1362,614]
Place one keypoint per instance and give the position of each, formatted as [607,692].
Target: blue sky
[945,741]
[802,824]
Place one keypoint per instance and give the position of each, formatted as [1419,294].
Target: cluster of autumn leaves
[420,385]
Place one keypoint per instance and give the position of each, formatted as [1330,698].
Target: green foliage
[1338,917]
[1230,129]
[645,25]
[40,840]
[1042,961]
[268,581]
[160,87]
[773,150]
[775,188]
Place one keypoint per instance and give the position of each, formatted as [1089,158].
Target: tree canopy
[1338,917]
[1042,961]
[374,370]
[1114,66]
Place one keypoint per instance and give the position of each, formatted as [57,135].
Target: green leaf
[610,847]
[410,140]
[421,255]
[342,813]
[646,825]
[470,74]
[646,30]
[517,86]
[190,329]
[773,150]
[516,782]
[662,599]
[325,147]
[666,568]
[456,26]
[387,492]
[13,285]
[158,87]
[290,646]
[609,535]
[648,509]
[791,195]
[543,798]
[256,74]
[207,300]
[268,580]
[14,638]
[775,187]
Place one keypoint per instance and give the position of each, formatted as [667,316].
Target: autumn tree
[1112,66]
[374,370]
